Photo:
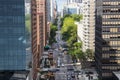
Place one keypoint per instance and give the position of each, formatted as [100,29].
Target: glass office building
[12,35]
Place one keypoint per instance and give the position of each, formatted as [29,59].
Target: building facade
[107,38]
[73,1]
[27,8]
[48,10]
[52,10]
[86,34]
[12,35]
[72,8]
[39,32]
[55,9]
[45,23]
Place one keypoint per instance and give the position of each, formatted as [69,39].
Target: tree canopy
[89,54]
[76,51]
[69,32]
[53,29]
[77,17]
[28,23]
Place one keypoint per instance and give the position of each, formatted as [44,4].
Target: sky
[60,4]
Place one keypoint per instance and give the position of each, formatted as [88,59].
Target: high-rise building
[39,32]
[27,8]
[12,35]
[51,6]
[53,10]
[48,4]
[45,23]
[72,8]
[74,1]
[86,28]
[107,38]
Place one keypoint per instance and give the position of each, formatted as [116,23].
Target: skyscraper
[74,1]
[12,35]
[39,32]
[107,45]
[86,29]
[53,10]
[72,8]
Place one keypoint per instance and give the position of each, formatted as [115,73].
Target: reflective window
[12,27]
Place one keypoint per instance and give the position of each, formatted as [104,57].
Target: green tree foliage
[80,54]
[78,45]
[69,30]
[28,26]
[62,18]
[53,29]
[69,33]
[77,49]
[77,17]
[89,54]
[55,22]
[27,17]
[28,23]
[76,52]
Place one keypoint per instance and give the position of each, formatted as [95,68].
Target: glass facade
[72,10]
[12,35]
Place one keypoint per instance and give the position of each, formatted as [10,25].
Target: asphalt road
[63,60]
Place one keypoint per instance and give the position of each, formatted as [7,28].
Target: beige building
[86,33]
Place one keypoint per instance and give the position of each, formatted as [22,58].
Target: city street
[64,68]
[67,69]
[62,60]
[59,39]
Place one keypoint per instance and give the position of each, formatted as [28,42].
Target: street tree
[53,29]
[76,51]
[77,17]
[28,24]
[69,30]
[69,33]
[89,54]
[78,45]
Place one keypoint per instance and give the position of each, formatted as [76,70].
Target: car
[70,69]
[65,46]
[80,73]
[76,71]
[62,65]
[89,72]
[58,62]
[50,51]
[73,76]
[65,50]
[68,77]
[54,70]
